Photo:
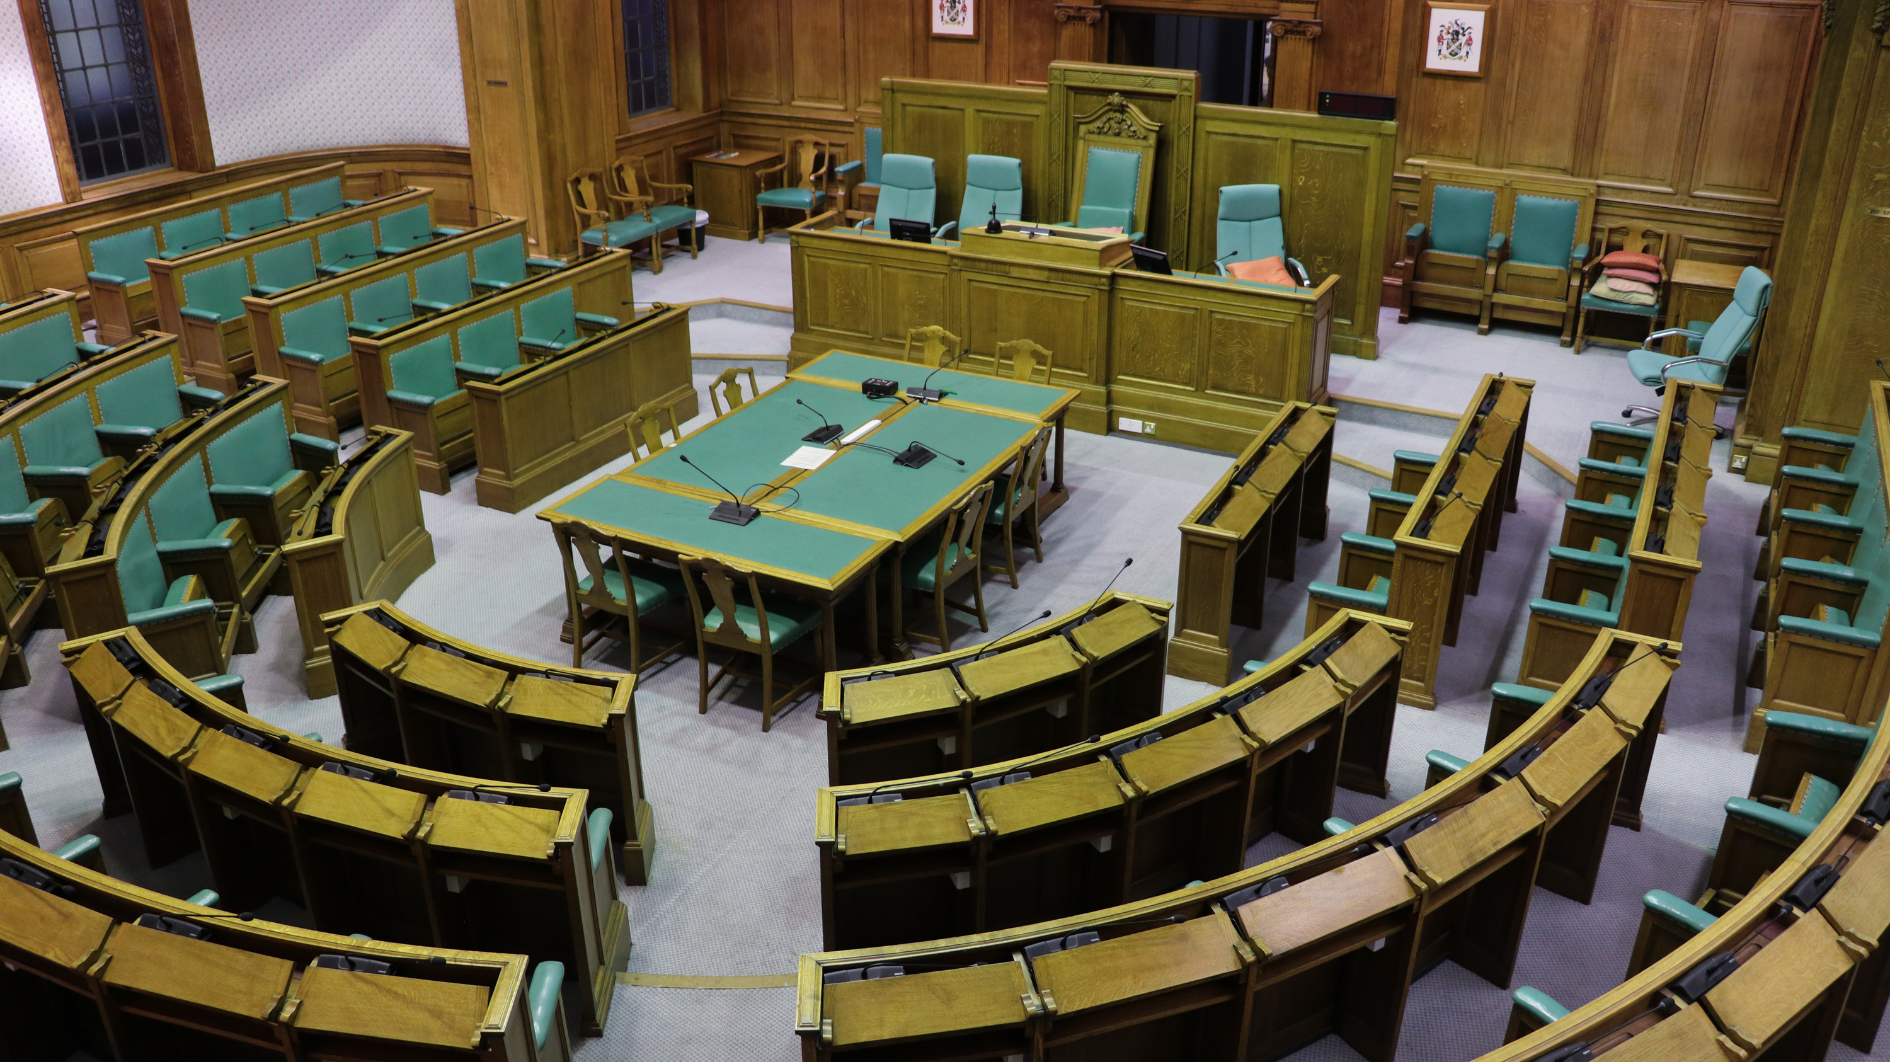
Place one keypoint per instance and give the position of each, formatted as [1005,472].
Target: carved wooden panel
[1759,72]
[1156,343]
[1656,45]
[1241,348]
[1546,97]
[999,308]
[818,68]
[910,298]
[838,294]
[499,77]
[881,39]
[751,52]
[938,133]
[1331,193]
[1030,43]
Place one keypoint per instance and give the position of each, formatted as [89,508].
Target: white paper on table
[808,457]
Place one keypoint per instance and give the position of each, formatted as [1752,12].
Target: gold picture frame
[1456,38]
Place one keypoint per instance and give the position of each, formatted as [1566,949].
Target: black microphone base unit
[925,394]
[914,456]
[729,512]
[824,433]
[878,388]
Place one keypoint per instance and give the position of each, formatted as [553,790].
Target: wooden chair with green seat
[488,348]
[599,595]
[381,306]
[590,206]
[932,344]
[134,408]
[1115,168]
[1538,273]
[280,268]
[319,363]
[427,400]
[441,286]
[1649,246]
[739,617]
[1448,253]
[249,217]
[630,186]
[935,565]
[1667,921]
[1531,1009]
[262,474]
[551,322]
[404,230]
[1025,357]
[64,459]
[502,263]
[1017,504]
[645,428]
[1735,327]
[725,394]
[1581,596]
[310,201]
[345,248]
[1758,838]
[191,540]
[1365,565]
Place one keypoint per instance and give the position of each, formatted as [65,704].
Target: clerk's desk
[1206,358]
[81,975]
[385,851]
[1328,940]
[1140,810]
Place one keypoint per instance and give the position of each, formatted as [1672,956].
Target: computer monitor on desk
[909,231]
[1149,260]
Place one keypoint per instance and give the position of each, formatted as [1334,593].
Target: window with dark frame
[106,86]
[646,55]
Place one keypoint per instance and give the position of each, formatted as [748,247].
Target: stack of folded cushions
[1628,277]
[1270,270]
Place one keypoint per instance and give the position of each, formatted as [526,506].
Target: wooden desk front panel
[861,294]
[1066,311]
[553,424]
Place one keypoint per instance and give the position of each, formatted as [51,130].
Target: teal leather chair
[1667,921]
[1248,228]
[29,528]
[502,263]
[403,230]
[63,458]
[173,613]
[991,182]
[1539,275]
[1531,1009]
[543,1001]
[1734,329]
[908,191]
[1447,256]
[375,308]
[119,260]
[36,350]
[861,176]
[252,217]
[316,333]
[254,473]
[215,295]
[440,286]
[1375,595]
[487,348]
[550,322]
[193,540]
[427,400]
[191,233]
[345,248]
[134,406]
[1110,191]
[310,201]
[280,268]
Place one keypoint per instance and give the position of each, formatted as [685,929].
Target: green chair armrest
[547,982]
[1539,1005]
[1578,256]
[544,263]
[1675,909]
[205,898]
[409,398]
[1827,438]
[1414,457]
[298,354]
[199,607]
[56,472]
[194,397]
[944,230]
[430,306]
[1496,243]
[1444,761]
[1393,497]
[14,387]
[1349,597]
[445,231]
[124,432]
[487,372]
[489,285]
[1832,573]
[1626,431]
[1588,559]
[1592,617]
[91,349]
[9,781]
[848,167]
[598,826]
[1335,826]
[1818,475]
[1770,817]
[1612,468]
[1830,632]
[1510,691]
[216,685]
[1831,521]
[1818,726]
[184,547]
[77,848]
[1415,232]
[1252,667]
[263,291]
[597,320]
[196,314]
[27,520]
[366,328]
[107,278]
[325,451]
[240,490]
[1369,543]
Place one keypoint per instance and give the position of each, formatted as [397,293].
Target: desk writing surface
[899,696]
[1140,964]
[1493,439]
[634,510]
[1116,630]
[747,446]
[1307,431]
[1320,906]
[1015,669]
[1059,797]
[925,1004]
[1771,988]
[904,825]
[864,487]
[236,764]
[163,728]
[1689,1036]
[466,682]
[1859,904]
[100,674]
[1363,655]
[1245,506]
[1276,471]
[992,392]
[1576,757]
[401,1009]
[357,804]
[1285,711]
[51,927]
[1185,756]
[374,644]
[196,971]
[1513,403]
[1636,687]
[548,700]
[493,829]
[1470,835]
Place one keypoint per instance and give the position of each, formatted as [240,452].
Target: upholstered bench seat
[661,219]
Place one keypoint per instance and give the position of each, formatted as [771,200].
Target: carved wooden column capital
[1295,27]
[1087,14]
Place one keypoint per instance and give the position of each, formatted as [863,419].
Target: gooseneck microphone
[728,512]
[1881,369]
[1592,690]
[924,392]
[827,432]
[1423,527]
[1112,579]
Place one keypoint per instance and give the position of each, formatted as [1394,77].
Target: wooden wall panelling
[1543,97]
[501,106]
[1440,117]
[882,41]
[946,121]
[1165,96]
[818,71]
[1753,101]
[1358,46]
[756,40]
[1645,136]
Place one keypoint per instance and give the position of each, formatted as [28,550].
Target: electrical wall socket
[1134,426]
[1148,427]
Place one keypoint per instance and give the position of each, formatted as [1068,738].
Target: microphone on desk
[1044,615]
[918,455]
[1594,688]
[393,317]
[1423,527]
[827,430]
[1881,369]
[187,248]
[728,512]
[924,392]
[1112,579]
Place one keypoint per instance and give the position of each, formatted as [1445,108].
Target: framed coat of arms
[1456,38]
[955,18]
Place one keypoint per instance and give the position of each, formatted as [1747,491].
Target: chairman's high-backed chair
[644,218]
[1448,253]
[932,344]
[616,587]
[908,191]
[426,399]
[1731,330]
[1248,228]
[1539,271]
[934,566]
[1641,246]
[802,181]
[1115,168]
[740,617]
[992,183]
[725,394]
[1017,504]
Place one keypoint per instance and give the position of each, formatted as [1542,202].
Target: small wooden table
[726,188]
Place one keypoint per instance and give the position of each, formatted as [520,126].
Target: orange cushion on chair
[1631,260]
[1264,271]
[1116,229]
[1642,275]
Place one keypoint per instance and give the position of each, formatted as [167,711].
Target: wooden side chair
[1025,356]
[808,162]
[1018,503]
[957,555]
[590,202]
[932,345]
[630,187]
[746,621]
[601,595]
[1633,239]
[726,391]
[646,430]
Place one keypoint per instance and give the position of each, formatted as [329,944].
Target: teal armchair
[134,406]
[440,286]
[1734,329]
[345,248]
[550,322]
[502,263]
[310,201]
[1248,228]
[191,233]
[1111,188]
[1449,255]
[280,268]
[375,308]
[1538,274]
[63,458]
[192,540]
[175,615]
[317,361]
[908,191]
[487,348]
[251,217]
[1115,168]
[427,400]
[29,528]
[403,230]
[118,261]
[36,350]
[254,475]
[992,182]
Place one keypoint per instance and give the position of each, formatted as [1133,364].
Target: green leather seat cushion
[1596,509]
[788,618]
[919,568]
[655,585]
[662,219]
[1820,796]
[1596,302]
[1624,431]
[1813,435]
[792,198]
[1822,516]
[1830,632]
